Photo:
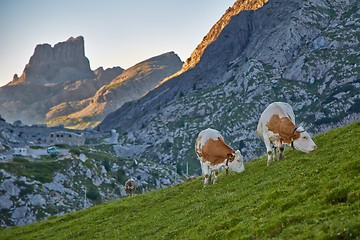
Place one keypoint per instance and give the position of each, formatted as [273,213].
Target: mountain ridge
[132,83]
[215,31]
[59,84]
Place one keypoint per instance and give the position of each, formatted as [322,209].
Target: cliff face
[215,31]
[300,52]
[64,62]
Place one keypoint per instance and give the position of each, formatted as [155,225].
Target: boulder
[5,202]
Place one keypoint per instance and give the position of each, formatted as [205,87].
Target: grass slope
[305,196]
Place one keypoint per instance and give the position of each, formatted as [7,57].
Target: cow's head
[304,143]
[236,161]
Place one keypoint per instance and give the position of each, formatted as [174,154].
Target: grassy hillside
[305,196]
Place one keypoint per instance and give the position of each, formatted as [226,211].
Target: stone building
[68,138]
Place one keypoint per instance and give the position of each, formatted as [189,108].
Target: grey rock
[20,212]
[10,188]
[82,157]
[37,200]
[128,150]
[88,173]
[319,42]
[97,180]
[5,202]
[58,185]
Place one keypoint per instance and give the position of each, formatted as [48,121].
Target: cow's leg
[207,179]
[215,177]
[276,157]
[206,172]
[282,148]
[268,149]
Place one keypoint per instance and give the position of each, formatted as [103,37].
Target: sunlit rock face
[215,31]
[65,108]
[131,84]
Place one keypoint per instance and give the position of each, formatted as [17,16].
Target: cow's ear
[300,129]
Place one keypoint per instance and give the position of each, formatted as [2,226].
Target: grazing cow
[277,129]
[214,154]
[130,187]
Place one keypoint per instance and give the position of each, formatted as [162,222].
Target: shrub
[94,194]
[106,165]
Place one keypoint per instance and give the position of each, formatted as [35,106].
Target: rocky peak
[72,52]
[105,76]
[239,5]
[65,61]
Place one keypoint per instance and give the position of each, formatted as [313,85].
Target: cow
[130,187]
[214,154]
[277,129]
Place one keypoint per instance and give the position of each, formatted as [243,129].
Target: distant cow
[130,187]
[215,154]
[277,129]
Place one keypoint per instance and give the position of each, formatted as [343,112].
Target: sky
[116,32]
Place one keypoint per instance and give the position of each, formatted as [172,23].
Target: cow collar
[227,166]
[232,156]
[292,137]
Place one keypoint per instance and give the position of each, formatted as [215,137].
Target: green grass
[305,196]
[40,171]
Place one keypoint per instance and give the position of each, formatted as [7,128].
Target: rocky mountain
[53,75]
[302,52]
[131,84]
[58,87]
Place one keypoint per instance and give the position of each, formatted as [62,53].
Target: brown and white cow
[277,129]
[214,154]
[130,187]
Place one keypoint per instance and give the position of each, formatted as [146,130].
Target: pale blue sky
[116,32]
